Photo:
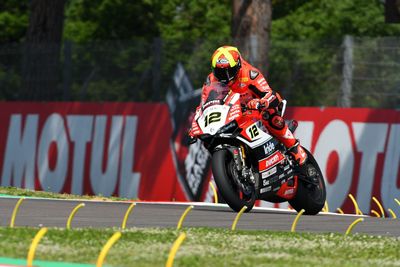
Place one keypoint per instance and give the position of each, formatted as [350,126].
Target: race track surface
[54,213]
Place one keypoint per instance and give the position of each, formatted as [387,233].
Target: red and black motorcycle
[247,162]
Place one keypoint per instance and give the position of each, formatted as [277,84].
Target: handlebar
[259,108]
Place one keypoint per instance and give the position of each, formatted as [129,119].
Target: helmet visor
[225,75]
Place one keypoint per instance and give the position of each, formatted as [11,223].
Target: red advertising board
[128,150]
[358,150]
[119,149]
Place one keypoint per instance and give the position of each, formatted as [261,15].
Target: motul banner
[119,149]
[358,151]
[130,150]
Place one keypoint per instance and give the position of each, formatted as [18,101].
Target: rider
[230,68]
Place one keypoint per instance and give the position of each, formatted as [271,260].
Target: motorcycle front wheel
[310,196]
[224,171]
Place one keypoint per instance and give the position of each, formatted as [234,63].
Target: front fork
[245,173]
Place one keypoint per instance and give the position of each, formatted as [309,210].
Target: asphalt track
[54,213]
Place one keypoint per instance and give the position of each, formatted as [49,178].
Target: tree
[13,20]
[251,25]
[42,49]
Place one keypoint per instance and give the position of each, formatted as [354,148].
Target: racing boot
[300,157]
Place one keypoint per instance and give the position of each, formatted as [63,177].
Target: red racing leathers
[251,85]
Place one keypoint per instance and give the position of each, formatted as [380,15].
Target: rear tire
[222,161]
[310,197]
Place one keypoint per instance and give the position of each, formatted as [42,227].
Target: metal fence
[362,72]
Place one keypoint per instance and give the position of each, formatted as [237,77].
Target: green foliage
[282,8]
[192,30]
[13,20]
[306,47]
[305,55]
[332,19]
[88,20]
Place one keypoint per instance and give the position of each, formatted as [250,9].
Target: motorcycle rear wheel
[222,164]
[310,197]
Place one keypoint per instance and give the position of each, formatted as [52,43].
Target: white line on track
[198,204]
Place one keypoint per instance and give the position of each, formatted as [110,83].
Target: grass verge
[205,247]
[14,191]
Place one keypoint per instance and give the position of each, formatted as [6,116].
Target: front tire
[310,197]
[223,171]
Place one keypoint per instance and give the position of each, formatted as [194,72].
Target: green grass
[14,191]
[205,247]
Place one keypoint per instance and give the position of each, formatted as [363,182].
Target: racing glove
[257,103]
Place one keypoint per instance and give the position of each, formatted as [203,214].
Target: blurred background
[315,52]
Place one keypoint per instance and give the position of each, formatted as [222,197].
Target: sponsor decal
[265,189]
[212,102]
[126,149]
[222,61]
[86,148]
[289,191]
[269,147]
[265,182]
[253,74]
[268,173]
[270,161]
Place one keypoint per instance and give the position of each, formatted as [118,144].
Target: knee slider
[277,122]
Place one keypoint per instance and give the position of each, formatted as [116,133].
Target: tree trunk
[251,25]
[42,51]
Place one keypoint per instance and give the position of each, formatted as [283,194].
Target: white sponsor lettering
[53,132]
[265,189]
[47,154]
[19,159]
[369,145]
[129,183]
[103,178]
[304,133]
[195,164]
[269,147]
[289,191]
[389,188]
[274,159]
[80,130]
[268,173]
[329,142]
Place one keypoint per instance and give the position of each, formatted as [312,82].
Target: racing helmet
[225,63]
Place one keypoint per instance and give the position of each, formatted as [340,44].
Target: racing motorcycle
[247,162]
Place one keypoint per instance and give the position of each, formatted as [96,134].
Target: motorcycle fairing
[213,118]
[253,134]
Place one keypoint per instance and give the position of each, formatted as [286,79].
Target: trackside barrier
[179,225]
[326,207]
[351,226]
[379,205]
[340,210]
[237,218]
[375,213]
[103,253]
[128,211]
[15,211]
[294,224]
[215,193]
[174,249]
[34,244]
[71,216]
[392,213]
[357,210]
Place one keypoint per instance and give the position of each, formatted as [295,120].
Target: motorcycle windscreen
[213,94]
